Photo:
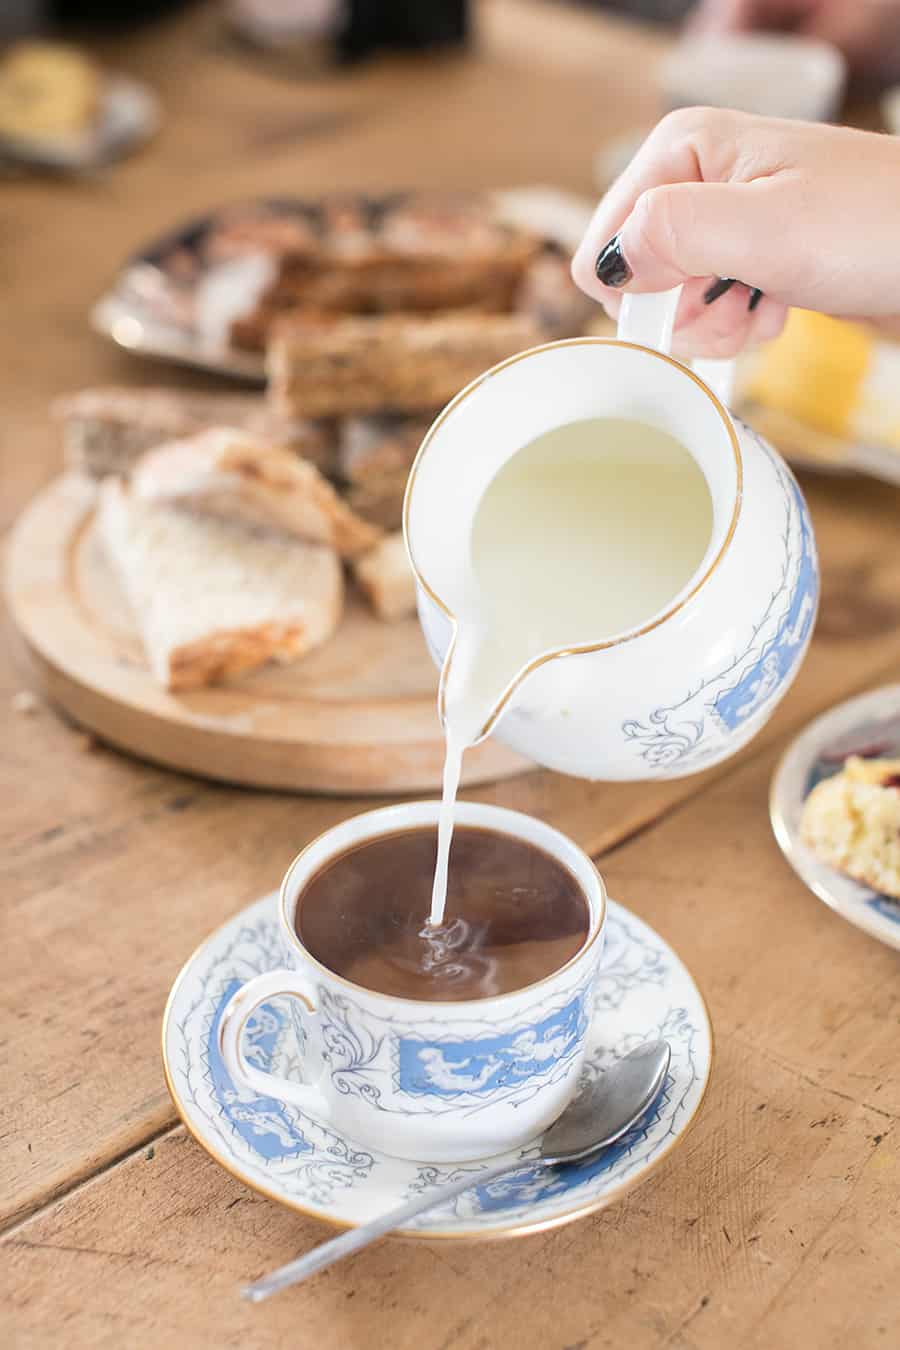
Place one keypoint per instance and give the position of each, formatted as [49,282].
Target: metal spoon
[595,1119]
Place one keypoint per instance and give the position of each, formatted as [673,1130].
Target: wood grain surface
[776,1224]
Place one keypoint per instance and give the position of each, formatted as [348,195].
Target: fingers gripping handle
[649,320]
[237,1013]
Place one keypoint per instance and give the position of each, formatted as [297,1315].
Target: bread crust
[211,598]
[222,472]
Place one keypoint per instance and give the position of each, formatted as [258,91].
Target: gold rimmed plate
[643,991]
[866,725]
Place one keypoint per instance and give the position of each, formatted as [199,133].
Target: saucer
[866,723]
[643,991]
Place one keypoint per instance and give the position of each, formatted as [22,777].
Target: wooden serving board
[357,716]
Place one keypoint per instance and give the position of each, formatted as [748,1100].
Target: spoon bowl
[608,1109]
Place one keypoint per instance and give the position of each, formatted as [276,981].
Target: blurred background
[123,126]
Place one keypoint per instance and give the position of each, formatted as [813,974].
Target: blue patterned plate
[869,724]
[643,991]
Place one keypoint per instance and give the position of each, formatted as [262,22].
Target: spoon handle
[356,1238]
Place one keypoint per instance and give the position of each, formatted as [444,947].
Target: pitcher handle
[649,320]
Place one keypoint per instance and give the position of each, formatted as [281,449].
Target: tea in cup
[440,1043]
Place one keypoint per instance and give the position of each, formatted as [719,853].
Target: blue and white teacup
[431,1081]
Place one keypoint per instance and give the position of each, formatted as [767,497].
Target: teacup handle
[235,1016]
[649,320]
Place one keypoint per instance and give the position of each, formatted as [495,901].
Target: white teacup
[440,1082]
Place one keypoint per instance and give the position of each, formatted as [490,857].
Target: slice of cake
[223,472]
[214,598]
[852,822]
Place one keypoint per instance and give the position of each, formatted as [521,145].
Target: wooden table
[777,1224]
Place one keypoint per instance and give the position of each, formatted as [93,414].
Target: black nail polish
[717,288]
[755,296]
[611,267]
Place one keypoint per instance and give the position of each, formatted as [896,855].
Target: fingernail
[611,267]
[717,288]
[755,296]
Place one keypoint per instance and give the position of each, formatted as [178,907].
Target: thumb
[685,230]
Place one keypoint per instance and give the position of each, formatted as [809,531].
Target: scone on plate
[852,822]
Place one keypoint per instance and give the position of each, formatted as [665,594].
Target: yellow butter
[815,371]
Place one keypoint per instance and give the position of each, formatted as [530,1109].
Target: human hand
[805,213]
[866,31]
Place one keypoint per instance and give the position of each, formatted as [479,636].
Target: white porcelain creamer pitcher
[696,681]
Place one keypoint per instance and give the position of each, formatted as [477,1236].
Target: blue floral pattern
[682,735]
[452,1068]
[642,990]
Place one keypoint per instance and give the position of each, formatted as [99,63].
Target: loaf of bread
[224,472]
[105,430]
[852,822]
[214,598]
[385,577]
[325,368]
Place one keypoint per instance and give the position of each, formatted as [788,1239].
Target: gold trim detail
[430,1235]
[585,648]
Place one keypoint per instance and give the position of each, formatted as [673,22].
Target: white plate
[644,991]
[871,723]
[129,115]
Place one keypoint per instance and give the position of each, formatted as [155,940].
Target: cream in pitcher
[613,573]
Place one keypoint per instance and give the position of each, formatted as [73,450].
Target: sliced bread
[386,579]
[223,472]
[214,598]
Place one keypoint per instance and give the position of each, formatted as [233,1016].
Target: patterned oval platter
[867,725]
[643,991]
